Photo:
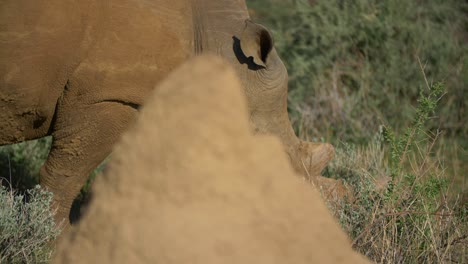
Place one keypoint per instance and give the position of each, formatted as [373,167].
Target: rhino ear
[256,42]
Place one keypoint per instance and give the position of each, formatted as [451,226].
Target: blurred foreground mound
[190,184]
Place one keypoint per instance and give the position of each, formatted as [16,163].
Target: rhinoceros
[80,69]
[230,197]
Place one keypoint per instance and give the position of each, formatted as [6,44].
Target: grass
[410,218]
[403,209]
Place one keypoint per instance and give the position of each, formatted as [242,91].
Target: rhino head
[266,87]
[250,49]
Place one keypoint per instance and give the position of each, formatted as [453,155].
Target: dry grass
[411,217]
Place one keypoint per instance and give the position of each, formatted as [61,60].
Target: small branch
[424,74]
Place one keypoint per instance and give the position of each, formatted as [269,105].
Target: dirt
[189,183]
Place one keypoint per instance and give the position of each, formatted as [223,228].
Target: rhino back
[95,51]
[142,42]
[92,51]
[41,43]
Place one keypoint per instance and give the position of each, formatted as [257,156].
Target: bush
[355,68]
[26,226]
[404,211]
[354,64]
[410,219]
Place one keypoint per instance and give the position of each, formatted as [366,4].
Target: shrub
[403,210]
[354,64]
[26,226]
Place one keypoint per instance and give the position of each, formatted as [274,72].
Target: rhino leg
[82,138]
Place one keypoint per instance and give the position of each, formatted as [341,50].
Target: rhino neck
[215,23]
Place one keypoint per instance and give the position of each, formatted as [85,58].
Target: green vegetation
[26,226]
[20,163]
[403,211]
[357,71]
[354,64]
